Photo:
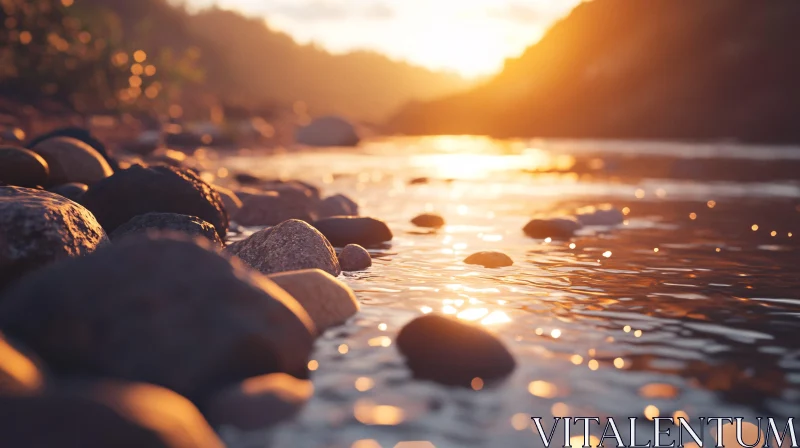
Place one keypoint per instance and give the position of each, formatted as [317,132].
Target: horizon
[480,34]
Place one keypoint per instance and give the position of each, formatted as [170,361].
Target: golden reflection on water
[370,413]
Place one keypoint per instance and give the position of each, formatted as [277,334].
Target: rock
[490,259]
[428,220]
[600,216]
[292,191]
[290,246]
[555,228]
[327,300]
[354,258]
[38,227]
[161,309]
[337,205]
[103,415]
[419,181]
[268,209]
[19,374]
[169,157]
[71,160]
[328,131]
[449,351]
[344,230]
[72,191]
[189,225]
[248,179]
[12,135]
[21,167]
[160,189]
[258,402]
[78,134]
[231,202]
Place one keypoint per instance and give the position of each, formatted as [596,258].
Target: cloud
[332,10]
[517,12]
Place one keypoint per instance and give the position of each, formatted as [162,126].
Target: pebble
[258,402]
[344,230]
[161,309]
[72,191]
[19,374]
[102,415]
[490,259]
[419,181]
[428,220]
[327,300]
[555,228]
[79,134]
[39,227]
[189,225]
[22,167]
[71,160]
[269,208]
[337,205]
[600,216]
[139,190]
[449,351]
[354,258]
[290,246]
[328,131]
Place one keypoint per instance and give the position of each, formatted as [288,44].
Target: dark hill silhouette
[675,69]
[245,62]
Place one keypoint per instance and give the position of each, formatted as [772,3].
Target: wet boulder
[344,230]
[72,191]
[159,189]
[290,246]
[328,301]
[258,402]
[269,208]
[490,259]
[19,373]
[103,415]
[71,160]
[428,220]
[189,225]
[161,309]
[21,167]
[600,216]
[38,227]
[354,258]
[78,134]
[450,351]
[337,205]
[328,131]
[555,228]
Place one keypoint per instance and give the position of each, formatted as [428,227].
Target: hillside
[673,69]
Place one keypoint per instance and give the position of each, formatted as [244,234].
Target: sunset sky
[472,37]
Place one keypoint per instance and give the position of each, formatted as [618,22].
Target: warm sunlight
[471,37]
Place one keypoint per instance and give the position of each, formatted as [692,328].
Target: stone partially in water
[555,228]
[189,225]
[290,246]
[328,131]
[269,208]
[600,216]
[21,167]
[72,191]
[159,309]
[449,351]
[19,374]
[327,300]
[344,230]
[428,220]
[79,134]
[258,402]
[337,205]
[490,259]
[354,258]
[103,415]
[160,189]
[72,160]
[38,227]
